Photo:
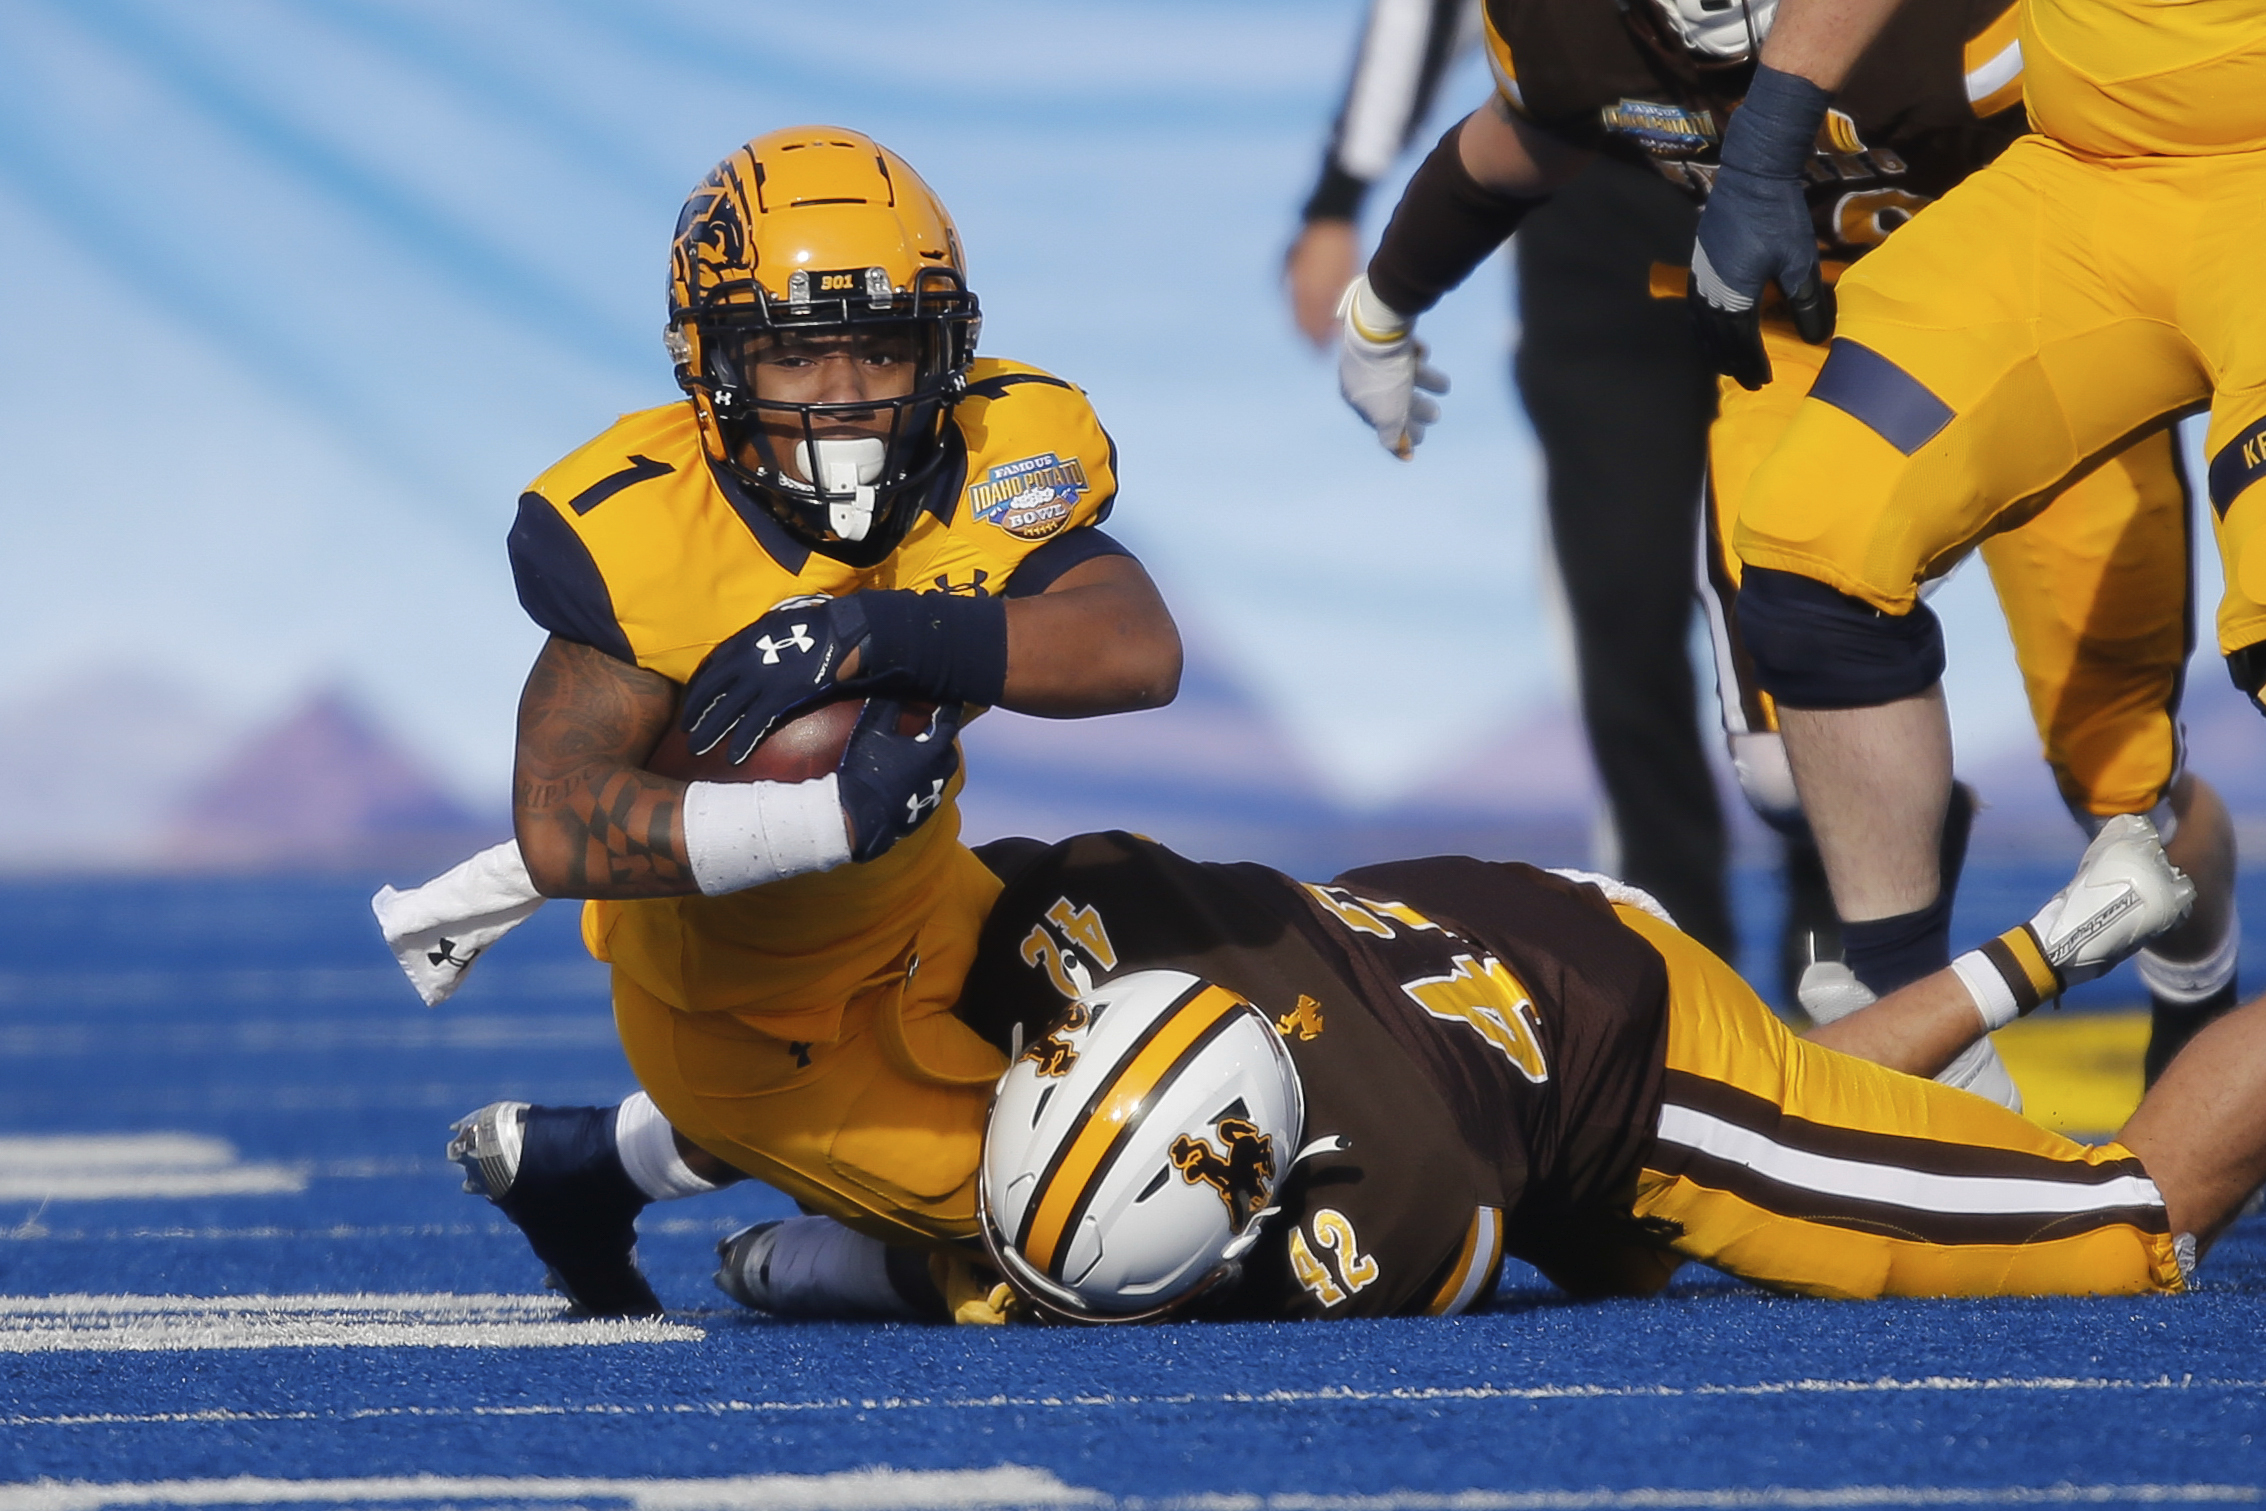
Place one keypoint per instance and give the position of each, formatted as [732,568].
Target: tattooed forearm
[591,821]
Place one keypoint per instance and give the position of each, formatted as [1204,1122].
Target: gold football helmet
[809,245]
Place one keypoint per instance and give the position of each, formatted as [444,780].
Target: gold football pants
[1802,1169]
[2032,322]
[872,1114]
[2095,591]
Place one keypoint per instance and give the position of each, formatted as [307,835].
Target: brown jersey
[1482,1045]
[1935,98]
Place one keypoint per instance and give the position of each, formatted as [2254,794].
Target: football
[806,747]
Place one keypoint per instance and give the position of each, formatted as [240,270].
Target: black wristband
[1444,226]
[1337,197]
[943,646]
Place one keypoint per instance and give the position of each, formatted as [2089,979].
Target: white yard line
[1011,1486]
[2044,1385]
[153,1324]
[135,1166]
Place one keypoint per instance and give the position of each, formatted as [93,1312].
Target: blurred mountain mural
[117,771]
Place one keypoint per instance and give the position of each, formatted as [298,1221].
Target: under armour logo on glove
[917,806]
[891,781]
[746,688]
[797,637]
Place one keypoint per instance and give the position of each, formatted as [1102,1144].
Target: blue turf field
[316,1315]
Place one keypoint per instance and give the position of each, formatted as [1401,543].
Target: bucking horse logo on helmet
[1243,1176]
[1051,1054]
[711,242]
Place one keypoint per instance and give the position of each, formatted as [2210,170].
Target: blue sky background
[294,299]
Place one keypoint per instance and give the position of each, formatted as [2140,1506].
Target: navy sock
[1886,953]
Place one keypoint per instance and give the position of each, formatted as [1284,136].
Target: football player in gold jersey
[2094,589]
[2092,284]
[847,501]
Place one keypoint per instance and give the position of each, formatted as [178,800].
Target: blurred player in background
[2095,589]
[846,502]
[1621,401]
[2092,284]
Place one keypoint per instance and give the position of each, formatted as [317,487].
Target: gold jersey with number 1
[801,1030]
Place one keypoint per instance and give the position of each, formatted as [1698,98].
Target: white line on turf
[1115,1402]
[883,1489]
[333,1232]
[146,1324]
[112,1167]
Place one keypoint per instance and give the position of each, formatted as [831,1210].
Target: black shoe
[556,1174]
[2172,1024]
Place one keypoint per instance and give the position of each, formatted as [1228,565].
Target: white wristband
[1994,999]
[743,834]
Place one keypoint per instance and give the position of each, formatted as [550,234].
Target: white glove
[2125,893]
[1381,367]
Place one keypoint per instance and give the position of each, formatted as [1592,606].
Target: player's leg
[2096,592]
[1621,401]
[2201,1129]
[1800,1168]
[1988,352]
[573,1179]
[1747,426]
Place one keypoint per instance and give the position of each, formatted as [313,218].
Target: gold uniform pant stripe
[1806,1170]
[1473,1273]
[1112,1116]
[1938,1191]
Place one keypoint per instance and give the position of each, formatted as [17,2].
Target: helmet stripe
[1115,1112]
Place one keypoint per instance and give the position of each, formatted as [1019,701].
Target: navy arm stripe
[1037,572]
[559,584]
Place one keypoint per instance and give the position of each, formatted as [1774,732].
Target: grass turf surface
[266,1015]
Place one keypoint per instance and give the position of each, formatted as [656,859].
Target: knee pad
[1759,759]
[2248,668]
[1816,647]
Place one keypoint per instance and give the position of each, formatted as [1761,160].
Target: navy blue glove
[890,782]
[1756,227]
[762,676]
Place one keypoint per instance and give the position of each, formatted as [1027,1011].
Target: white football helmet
[1135,1149]
[1717,31]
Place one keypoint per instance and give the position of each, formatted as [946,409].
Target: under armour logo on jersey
[445,954]
[795,638]
[916,805]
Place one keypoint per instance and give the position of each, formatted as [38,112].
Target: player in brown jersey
[2095,589]
[1240,1095]
[846,502]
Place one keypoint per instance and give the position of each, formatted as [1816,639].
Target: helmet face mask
[1134,1152]
[1713,33]
[818,304]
